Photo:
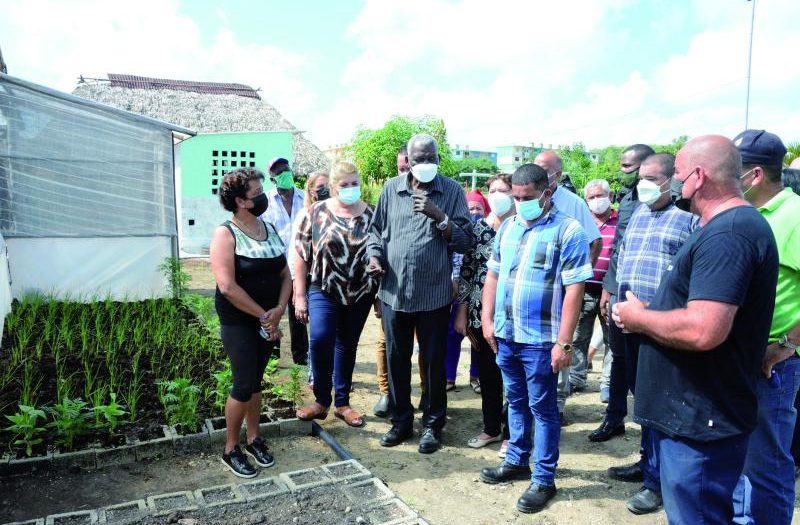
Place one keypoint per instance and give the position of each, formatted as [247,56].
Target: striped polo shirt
[533,265]
[594,285]
[416,258]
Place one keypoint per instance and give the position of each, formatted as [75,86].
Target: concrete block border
[119,511]
[349,470]
[37,521]
[294,480]
[263,488]
[173,443]
[374,485]
[394,506]
[231,494]
[165,503]
[73,518]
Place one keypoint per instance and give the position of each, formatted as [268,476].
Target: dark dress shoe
[505,472]
[535,498]
[429,441]
[381,408]
[606,431]
[630,473]
[395,436]
[645,501]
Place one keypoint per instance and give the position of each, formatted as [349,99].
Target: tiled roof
[213,88]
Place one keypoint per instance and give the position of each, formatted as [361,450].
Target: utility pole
[3,68]
[749,64]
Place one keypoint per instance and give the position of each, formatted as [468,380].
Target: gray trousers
[575,375]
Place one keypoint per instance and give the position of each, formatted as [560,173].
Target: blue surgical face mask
[349,195]
[530,210]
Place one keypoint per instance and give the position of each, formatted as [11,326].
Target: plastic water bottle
[264,333]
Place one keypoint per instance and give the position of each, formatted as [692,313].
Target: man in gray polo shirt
[420,220]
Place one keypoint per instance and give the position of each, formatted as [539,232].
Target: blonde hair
[339,169]
[312,180]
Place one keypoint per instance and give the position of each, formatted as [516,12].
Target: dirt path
[444,486]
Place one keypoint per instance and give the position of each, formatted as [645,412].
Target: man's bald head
[716,155]
[550,161]
[795,164]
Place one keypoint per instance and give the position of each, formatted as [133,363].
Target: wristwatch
[566,347]
[785,343]
[442,226]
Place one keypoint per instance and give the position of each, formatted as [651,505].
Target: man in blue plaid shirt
[656,232]
[531,301]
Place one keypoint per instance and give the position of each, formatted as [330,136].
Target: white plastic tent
[87,195]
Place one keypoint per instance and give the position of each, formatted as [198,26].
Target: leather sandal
[349,416]
[312,411]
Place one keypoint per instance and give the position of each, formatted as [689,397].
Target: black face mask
[323,193]
[260,204]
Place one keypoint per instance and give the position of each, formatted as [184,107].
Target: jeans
[531,392]
[580,342]
[335,330]
[617,407]
[796,438]
[491,384]
[454,350]
[299,338]
[698,478]
[765,492]
[431,330]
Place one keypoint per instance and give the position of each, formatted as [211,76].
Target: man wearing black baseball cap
[765,493]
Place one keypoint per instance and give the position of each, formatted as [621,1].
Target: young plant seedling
[26,428]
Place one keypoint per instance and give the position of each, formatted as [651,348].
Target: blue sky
[502,72]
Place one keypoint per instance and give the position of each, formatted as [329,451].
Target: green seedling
[26,428]
[179,398]
[109,415]
[70,420]
[224,383]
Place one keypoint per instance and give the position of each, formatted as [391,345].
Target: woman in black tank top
[253,290]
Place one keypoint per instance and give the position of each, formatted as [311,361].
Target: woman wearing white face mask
[331,247]
[468,316]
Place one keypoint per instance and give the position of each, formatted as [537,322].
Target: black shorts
[249,353]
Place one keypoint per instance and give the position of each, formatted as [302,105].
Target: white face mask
[424,172]
[500,203]
[600,205]
[649,191]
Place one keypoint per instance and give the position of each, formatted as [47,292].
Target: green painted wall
[206,158]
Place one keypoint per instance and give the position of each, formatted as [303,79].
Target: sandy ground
[443,486]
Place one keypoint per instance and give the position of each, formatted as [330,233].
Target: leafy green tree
[375,150]
[478,164]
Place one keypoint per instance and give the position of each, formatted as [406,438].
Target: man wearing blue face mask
[531,300]
[420,220]
[656,232]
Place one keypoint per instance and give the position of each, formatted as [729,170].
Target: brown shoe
[349,416]
[312,411]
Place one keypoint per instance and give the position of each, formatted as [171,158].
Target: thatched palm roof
[206,113]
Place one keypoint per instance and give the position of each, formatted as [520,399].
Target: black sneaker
[535,498]
[237,463]
[259,451]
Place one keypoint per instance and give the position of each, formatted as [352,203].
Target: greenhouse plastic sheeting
[5,289]
[85,269]
[69,169]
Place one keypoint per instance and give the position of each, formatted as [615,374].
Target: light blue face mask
[349,195]
[530,210]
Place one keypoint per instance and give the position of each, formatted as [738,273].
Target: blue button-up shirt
[533,265]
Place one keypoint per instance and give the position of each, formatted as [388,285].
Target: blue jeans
[698,478]
[335,329]
[765,492]
[531,393]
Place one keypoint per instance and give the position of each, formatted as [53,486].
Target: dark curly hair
[234,184]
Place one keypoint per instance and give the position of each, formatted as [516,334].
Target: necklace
[257,234]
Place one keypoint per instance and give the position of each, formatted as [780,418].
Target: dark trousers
[617,407]
[647,447]
[431,330]
[335,330]
[491,384]
[299,336]
[698,478]
[796,438]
